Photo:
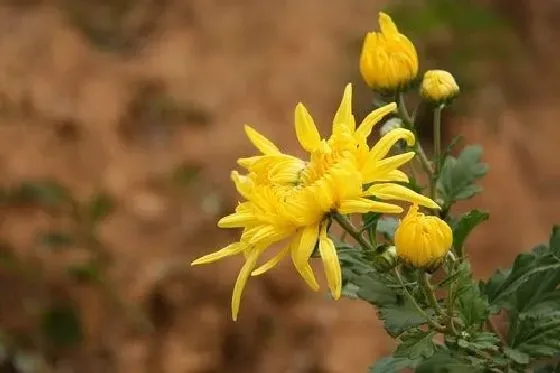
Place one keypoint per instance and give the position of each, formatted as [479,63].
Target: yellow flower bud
[438,85]
[388,60]
[422,241]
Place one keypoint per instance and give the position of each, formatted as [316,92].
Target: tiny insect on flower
[438,85]
[422,241]
[388,60]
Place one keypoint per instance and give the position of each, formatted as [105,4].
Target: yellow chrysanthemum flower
[422,241]
[388,60]
[288,200]
[438,85]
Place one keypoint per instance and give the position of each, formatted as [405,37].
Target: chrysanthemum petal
[302,247]
[396,176]
[261,142]
[331,263]
[306,131]
[272,262]
[364,130]
[387,26]
[343,121]
[233,249]
[243,184]
[244,273]
[237,220]
[401,193]
[361,206]
[385,143]
[383,167]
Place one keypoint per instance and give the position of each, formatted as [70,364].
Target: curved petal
[242,278]
[237,220]
[364,130]
[306,131]
[382,168]
[400,193]
[361,206]
[272,262]
[385,143]
[243,184]
[302,247]
[233,249]
[261,142]
[331,263]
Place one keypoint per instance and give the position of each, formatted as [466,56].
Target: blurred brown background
[145,101]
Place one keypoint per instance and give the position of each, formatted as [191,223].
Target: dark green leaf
[517,356]
[416,344]
[369,220]
[525,268]
[467,222]
[554,242]
[457,177]
[547,368]
[55,239]
[444,362]
[100,206]
[471,304]
[392,365]
[401,317]
[373,290]
[483,341]
[62,326]
[387,227]
[538,336]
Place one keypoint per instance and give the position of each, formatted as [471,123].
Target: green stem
[409,124]
[450,310]
[347,225]
[437,326]
[437,148]
[429,292]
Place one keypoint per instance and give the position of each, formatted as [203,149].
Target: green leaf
[445,362]
[401,317]
[62,326]
[387,227]
[527,266]
[369,220]
[538,336]
[100,206]
[554,242]
[56,239]
[466,223]
[471,304]
[482,341]
[548,368]
[458,175]
[373,290]
[392,364]
[516,355]
[416,344]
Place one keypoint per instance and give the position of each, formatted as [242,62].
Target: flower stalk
[348,227]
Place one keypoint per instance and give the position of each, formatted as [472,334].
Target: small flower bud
[422,241]
[388,61]
[438,86]
[386,260]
